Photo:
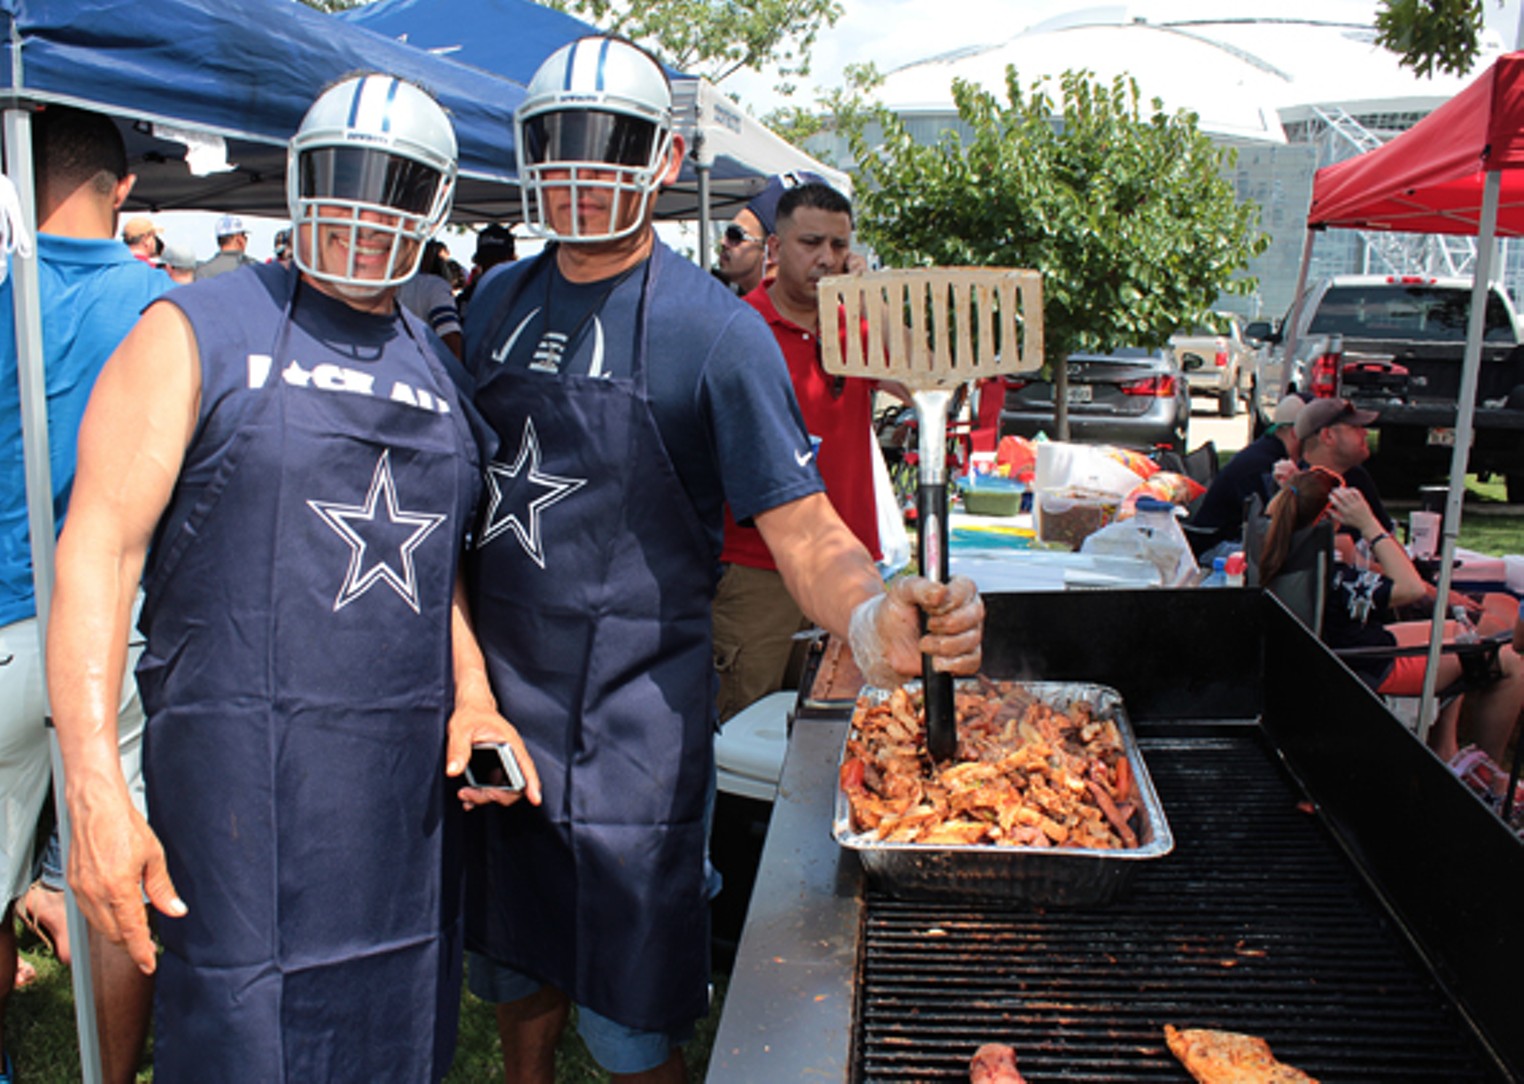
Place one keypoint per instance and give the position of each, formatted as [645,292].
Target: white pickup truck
[1395,344]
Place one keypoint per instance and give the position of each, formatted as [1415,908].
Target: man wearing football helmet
[298,452]
[633,397]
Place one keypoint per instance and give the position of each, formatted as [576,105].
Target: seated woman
[1358,598]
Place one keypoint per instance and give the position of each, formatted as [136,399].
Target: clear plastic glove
[885,635]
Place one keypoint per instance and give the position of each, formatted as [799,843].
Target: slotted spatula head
[931,330]
[934,327]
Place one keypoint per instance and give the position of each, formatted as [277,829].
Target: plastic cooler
[748,753]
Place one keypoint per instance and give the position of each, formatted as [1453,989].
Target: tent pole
[1461,453]
[1288,341]
[701,167]
[39,495]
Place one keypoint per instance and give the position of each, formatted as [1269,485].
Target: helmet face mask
[370,178]
[594,135]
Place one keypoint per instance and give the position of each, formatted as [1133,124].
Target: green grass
[40,1037]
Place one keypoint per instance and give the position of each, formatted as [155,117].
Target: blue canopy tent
[234,78]
[731,153]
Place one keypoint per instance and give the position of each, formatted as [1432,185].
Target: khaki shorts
[755,620]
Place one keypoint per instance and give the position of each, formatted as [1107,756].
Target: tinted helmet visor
[365,175]
[580,135]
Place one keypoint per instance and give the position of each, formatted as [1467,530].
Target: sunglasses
[735,235]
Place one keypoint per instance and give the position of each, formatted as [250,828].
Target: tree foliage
[1127,215]
[1430,34]
[717,38]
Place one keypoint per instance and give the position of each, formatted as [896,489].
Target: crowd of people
[334,519]
[326,529]
[1310,464]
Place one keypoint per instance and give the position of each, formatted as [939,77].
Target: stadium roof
[1244,76]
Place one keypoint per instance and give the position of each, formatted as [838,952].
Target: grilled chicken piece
[1226,1057]
[994,1063]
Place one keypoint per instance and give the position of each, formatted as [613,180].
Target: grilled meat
[994,1063]
[1025,774]
[1227,1057]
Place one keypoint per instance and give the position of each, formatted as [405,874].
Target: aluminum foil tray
[1045,876]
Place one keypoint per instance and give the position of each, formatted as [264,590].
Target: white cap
[228,225]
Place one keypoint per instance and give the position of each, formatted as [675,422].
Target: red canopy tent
[1456,171]
[1429,179]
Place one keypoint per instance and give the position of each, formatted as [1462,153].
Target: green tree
[1430,34]
[1128,215]
[717,38]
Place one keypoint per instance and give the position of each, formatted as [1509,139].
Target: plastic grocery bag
[893,538]
[1154,535]
[1082,467]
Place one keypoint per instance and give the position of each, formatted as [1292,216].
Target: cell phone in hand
[494,767]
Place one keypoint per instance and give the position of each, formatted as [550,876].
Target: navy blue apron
[298,683]
[592,582]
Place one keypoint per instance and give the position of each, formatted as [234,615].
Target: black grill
[1256,923]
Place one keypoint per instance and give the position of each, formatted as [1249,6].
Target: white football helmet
[598,112]
[370,143]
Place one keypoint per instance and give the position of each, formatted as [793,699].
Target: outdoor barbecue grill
[1332,888]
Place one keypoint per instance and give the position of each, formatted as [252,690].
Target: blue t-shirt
[92,292]
[718,385]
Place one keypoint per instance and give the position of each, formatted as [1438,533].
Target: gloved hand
[885,635]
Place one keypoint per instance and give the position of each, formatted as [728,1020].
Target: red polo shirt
[844,423]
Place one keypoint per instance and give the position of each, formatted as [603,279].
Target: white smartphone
[494,767]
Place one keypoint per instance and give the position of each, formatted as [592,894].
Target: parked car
[1134,398]
[1216,360]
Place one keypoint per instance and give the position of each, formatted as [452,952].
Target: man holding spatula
[634,397]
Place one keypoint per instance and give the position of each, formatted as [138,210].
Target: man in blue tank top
[91,291]
[292,452]
[633,397]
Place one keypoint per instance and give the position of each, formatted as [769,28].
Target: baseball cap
[181,259]
[1286,412]
[765,203]
[1321,413]
[494,244]
[228,225]
[138,227]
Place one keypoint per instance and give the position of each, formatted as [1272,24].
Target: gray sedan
[1132,397]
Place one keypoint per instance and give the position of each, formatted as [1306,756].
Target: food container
[995,497]
[1067,517]
[1044,876]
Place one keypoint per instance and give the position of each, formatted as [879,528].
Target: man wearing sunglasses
[745,260]
[1334,435]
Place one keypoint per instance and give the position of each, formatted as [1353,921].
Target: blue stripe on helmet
[354,103]
[603,56]
[571,63]
[391,96]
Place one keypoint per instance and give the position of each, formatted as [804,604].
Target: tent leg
[1464,417]
[39,490]
[702,169]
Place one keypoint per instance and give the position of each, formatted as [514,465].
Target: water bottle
[1218,577]
[1465,631]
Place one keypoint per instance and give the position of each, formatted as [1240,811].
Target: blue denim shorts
[615,1047]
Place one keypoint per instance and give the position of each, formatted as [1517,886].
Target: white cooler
[748,752]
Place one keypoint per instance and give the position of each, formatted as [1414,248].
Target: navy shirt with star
[719,388]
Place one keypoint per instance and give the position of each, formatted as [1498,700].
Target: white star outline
[359,579]
[557,488]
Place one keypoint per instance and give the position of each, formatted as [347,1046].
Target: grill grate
[1255,923]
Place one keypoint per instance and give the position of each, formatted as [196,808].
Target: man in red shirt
[755,619]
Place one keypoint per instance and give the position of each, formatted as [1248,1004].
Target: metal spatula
[932,330]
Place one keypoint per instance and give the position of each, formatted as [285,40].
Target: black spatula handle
[931,551]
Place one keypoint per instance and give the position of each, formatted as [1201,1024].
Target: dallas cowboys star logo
[525,528]
[359,526]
